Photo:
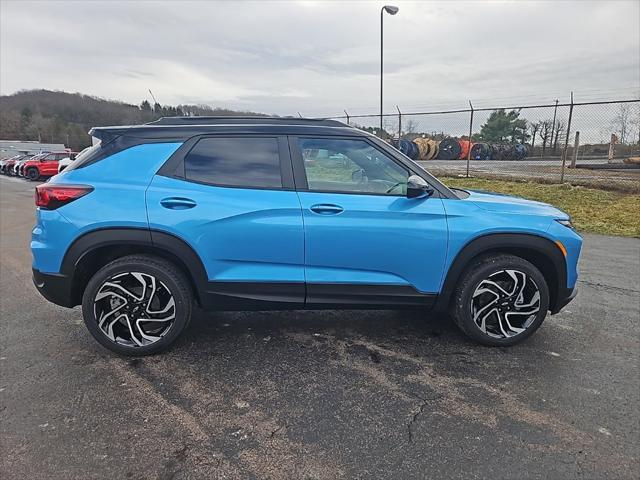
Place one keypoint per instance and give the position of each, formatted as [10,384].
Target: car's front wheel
[33,174]
[137,305]
[501,300]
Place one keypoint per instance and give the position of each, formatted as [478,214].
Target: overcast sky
[320,57]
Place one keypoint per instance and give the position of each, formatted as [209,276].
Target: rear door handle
[327,209]
[177,203]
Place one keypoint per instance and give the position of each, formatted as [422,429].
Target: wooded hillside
[60,117]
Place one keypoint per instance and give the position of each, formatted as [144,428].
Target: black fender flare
[128,237]
[507,243]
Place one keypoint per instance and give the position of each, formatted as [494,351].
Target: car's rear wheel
[137,305]
[501,300]
[33,174]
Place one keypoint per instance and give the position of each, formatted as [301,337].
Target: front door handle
[177,203]
[327,209]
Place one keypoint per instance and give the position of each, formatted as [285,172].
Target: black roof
[180,128]
[246,120]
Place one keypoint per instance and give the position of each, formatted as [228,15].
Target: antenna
[154,98]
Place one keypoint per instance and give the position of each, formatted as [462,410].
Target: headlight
[566,222]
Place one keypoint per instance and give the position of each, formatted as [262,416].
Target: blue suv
[259,213]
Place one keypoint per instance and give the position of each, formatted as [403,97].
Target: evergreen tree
[503,127]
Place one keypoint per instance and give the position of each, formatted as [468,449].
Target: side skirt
[325,296]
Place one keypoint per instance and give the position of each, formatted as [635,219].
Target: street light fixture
[391,10]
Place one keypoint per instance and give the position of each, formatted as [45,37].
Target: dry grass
[592,210]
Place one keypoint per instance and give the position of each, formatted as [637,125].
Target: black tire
[166,275]
[33,174]
[498,267]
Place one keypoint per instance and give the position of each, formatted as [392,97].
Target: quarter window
[237,162]
[351,166]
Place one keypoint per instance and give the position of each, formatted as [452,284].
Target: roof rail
[243,120]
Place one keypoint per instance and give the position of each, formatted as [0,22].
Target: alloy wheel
[134,309]
[505,304]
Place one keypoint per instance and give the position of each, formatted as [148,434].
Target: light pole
[391,10]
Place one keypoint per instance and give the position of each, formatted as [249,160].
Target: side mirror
[417,187]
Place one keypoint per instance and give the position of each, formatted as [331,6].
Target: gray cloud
[321,57]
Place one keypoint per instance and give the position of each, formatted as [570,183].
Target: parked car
[20,162]
[43,166]
[8,168]
[226,213]
[4,161]
[9,164]
[19,172]
[65,162]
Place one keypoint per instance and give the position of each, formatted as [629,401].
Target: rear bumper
[54,287]
[564,298]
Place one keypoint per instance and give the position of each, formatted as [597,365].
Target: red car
[45,165]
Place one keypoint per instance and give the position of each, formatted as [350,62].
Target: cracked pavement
[321,395]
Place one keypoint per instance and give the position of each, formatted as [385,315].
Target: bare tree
[544,132]
[560,127]
[390,129]
[410,126]
[622,122]
[534,130]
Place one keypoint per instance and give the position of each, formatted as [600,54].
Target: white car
[65,162]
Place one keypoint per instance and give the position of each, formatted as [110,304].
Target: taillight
[50,197]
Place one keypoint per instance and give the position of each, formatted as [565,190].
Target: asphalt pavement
[321,395]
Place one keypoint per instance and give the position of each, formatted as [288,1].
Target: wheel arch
[545,255]
[91,251]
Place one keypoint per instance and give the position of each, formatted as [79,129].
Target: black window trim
[174,166]
[300,174]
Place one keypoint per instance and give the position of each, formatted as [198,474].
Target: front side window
[351,166]
[238,162]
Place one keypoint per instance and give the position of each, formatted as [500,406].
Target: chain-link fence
[589,144]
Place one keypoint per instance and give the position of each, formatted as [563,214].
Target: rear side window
[236,162]
[86,157]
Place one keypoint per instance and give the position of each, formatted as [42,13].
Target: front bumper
[55,287]
[564,298]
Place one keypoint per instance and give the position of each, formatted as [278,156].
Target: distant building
[9,148]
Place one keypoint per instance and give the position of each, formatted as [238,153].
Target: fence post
[566,140]
[553,127]
[470,132]
[399,124]
[345,112]
[612,147]
[576,145]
